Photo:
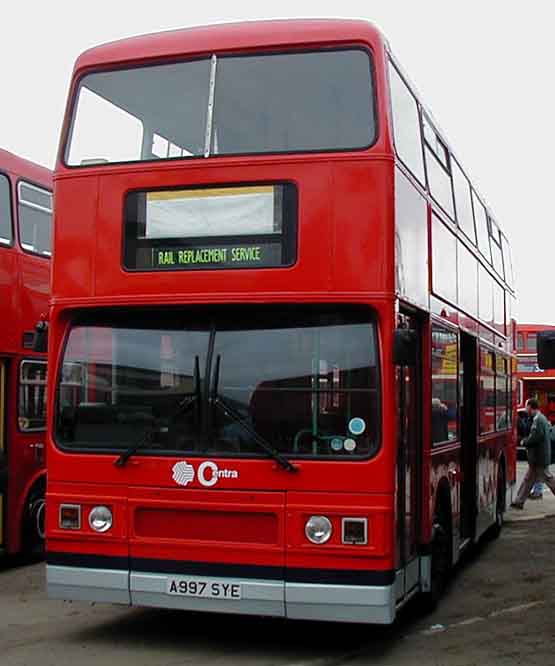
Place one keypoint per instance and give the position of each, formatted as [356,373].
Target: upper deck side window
[496,250]
[444,260]
[406,124]
[435,143]
[446,181]
[463,202]
[438,168]
[6,227]
[482,227]
[507,261]
[232,105]
[35,218]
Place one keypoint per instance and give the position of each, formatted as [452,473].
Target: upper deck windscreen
[273,103]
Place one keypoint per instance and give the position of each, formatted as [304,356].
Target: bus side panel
[363,227]
[428,489]
[489,451]
[25,462]
[446,468]
[9,309]
[3,452]
[76,241]
[34,280]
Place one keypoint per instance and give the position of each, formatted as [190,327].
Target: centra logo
[183,473]
[208,473]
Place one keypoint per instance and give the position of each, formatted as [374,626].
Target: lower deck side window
[445,398]
[32,396]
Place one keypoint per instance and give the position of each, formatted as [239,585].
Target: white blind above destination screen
[244,211]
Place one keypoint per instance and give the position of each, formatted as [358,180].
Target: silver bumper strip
[303,601]
[340,603]
[82,584]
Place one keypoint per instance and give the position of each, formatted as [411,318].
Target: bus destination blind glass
[226,227]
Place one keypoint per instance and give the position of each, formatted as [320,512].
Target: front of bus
[221,320]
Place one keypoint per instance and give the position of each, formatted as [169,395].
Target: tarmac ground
[497,610]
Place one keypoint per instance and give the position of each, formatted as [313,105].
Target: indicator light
[70,517]
[354,531]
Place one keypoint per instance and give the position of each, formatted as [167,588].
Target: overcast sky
[484,68]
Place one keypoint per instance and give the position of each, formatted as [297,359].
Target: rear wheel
[442,558]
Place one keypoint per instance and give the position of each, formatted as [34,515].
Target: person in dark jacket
[523,426]
[523,430]
[538,448]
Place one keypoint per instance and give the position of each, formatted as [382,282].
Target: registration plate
[204,589]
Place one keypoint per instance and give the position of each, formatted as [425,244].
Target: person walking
[537,490]
[523,425]
[538,448]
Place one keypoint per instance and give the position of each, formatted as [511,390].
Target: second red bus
[25,250]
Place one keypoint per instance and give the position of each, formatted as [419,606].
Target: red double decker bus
[280,333]
[533,382]
[25,225]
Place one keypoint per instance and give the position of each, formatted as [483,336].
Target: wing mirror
[40,342]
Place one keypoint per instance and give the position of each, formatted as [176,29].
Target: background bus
[25,225]
[533,382]
[269,396]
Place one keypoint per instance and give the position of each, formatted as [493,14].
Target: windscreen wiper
[217,400]
[185,405]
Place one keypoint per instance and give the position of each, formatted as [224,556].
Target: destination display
[211,228]
[223,256]
[230,211]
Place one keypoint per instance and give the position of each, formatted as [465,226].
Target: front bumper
[373,604]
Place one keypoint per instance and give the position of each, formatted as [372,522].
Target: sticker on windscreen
[357,426]
[336,444]
[349,444]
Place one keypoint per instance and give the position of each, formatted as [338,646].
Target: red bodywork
[346,254]
[24,294]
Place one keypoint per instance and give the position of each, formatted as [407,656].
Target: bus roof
[534,328]
[230,36]
[25,169]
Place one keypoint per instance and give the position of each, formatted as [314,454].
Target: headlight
[318,529]
[100,519]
